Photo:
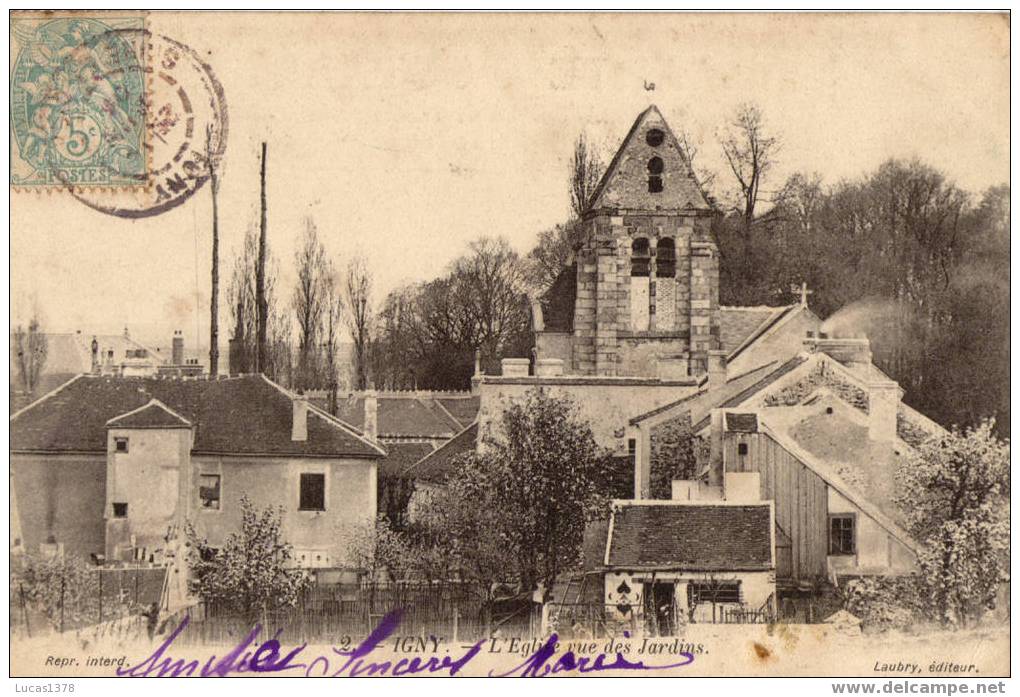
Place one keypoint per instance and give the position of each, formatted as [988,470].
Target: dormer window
[654,137]
[655,168]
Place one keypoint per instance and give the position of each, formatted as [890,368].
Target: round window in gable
[654,137]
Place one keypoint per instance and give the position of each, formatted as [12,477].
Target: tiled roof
[464,409]
[558,302]
[739,325]
[696,537]
[401,416]
[733,392]
[437,466]
[245,415]
[155,414]
[400,456]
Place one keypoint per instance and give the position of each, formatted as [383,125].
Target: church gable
[649,171]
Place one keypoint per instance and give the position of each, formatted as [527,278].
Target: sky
[404,137]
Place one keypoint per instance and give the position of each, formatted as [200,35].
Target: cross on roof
[804,293]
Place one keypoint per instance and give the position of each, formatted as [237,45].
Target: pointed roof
[625,183]
[154,414]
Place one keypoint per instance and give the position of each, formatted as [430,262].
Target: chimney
[716,369]
[371,414]
[177,353]
[848,350]
[883,403]
[95,355]
[715,453]
[299,424]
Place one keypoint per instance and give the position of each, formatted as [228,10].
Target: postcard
[510,344]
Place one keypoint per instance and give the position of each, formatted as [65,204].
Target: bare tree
[244,315]
[309,302]
[551,254]
[261,303]
[30,349]
[333,316]
[704,177]
[358,301]
[750,152]
[585,172]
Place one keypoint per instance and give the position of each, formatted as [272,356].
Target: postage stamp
[78,105]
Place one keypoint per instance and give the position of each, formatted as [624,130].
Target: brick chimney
[716,368]
[715,452]
[177,350]
[883,403]
[371,414]
[299,424]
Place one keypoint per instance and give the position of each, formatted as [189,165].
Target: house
[113,466]
[668,563]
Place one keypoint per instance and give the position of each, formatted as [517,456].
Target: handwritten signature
[270,657]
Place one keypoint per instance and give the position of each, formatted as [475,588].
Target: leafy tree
[376,549]
[252,572]
[956,498]
[518,508]
[675,454]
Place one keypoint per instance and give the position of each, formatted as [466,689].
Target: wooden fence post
[455,622]
[100,596]
[136,586]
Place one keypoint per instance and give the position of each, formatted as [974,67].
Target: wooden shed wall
[801,502]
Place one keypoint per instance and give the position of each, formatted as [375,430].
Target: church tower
[647,275]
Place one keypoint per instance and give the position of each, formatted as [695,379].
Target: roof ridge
[153,402]
[326,417]
[46,396]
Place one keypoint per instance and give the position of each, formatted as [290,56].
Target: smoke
[880,319]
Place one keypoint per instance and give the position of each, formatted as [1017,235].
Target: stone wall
[684,307]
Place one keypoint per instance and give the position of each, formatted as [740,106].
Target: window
[741,448]
[632,449]
[713,592]
[654,137]
[121,444]
[313,492]
[665,258]
[120,510]
[655,175]
[209,491]
[842,534]
[640,257]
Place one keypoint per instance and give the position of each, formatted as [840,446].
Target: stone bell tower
[647,297]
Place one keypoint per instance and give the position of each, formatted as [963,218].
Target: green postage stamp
[77,91]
